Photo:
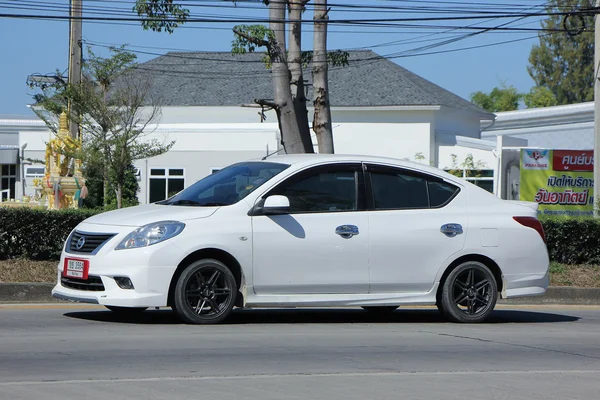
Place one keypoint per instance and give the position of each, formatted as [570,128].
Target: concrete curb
[562,295]
[41,293]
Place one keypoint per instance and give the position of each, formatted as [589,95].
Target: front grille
[91,284]
[92,242]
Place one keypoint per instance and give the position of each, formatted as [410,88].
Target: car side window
[440,193]
[395,189]
[330,189]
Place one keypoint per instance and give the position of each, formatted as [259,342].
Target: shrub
[572,240]
[37,234]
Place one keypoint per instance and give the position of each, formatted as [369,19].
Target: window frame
[374,168]
[359,185]
[10,176]
[34,175]
[166,177]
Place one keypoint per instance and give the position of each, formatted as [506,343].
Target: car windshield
[227,186]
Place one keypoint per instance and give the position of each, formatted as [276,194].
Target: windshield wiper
[185,203]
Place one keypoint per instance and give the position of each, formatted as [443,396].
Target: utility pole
[75,37]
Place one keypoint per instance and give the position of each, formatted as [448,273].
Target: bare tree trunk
[119,193]
[290,132]
[322,112]
[296,7]
[105,174]
[105,187]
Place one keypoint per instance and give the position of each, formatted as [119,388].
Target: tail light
[532,222]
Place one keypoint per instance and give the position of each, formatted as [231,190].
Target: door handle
[451,230]
[346,231]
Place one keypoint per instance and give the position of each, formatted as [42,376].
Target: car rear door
[417,222]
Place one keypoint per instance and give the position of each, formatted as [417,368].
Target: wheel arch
[218,254]
[488,262]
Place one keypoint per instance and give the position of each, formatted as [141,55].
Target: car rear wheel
[380,309]
[205,292]
[469,293]
[126,311]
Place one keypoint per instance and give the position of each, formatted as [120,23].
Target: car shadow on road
[323,316]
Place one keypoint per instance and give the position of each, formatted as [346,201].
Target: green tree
[505,98]
[539,96]
[561,62]
[113,108]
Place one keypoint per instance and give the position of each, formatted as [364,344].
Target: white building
[378,108]
[569,127]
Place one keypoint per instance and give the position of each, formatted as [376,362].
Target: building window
[35,172]
[165,182]
[484,178]
[8,179]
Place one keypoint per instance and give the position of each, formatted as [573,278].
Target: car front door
[417,222]
[321,245]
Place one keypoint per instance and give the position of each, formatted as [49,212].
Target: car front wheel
[469,293]
[205,292]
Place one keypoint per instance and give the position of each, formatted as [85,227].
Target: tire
[126,311]
[380,310]
[205,293]
[469,293]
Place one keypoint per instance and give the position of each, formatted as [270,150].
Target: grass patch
[23,270]
[583,275]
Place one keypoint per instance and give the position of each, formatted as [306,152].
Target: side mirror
[276,205]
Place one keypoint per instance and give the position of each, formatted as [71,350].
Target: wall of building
[450,121]
[208,138]
[398,140]
[199,149]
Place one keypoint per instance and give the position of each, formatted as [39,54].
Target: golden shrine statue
[63,184]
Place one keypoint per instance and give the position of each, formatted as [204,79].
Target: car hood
[142,215]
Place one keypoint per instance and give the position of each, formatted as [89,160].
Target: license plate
[76,268]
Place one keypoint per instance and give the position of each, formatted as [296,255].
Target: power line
[373,22]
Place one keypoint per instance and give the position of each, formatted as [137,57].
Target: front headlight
[150,234]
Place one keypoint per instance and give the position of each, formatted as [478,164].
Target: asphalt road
[54,352]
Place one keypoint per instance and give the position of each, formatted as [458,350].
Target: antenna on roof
[270,154]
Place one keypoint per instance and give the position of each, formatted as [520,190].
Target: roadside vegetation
[24,270]
[31,241]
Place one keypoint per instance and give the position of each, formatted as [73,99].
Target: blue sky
[34,46]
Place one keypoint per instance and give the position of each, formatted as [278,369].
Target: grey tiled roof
[223,79]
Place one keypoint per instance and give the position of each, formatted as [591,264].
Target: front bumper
[150,269]
[151,294]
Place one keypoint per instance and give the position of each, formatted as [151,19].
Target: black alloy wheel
[469,293]
[205,292]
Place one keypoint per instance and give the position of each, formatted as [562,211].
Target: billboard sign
[560,181]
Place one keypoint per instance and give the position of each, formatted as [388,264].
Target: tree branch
[256,41]
[266,103]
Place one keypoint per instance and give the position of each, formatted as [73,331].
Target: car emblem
[80,243]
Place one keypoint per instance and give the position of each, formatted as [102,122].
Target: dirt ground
[20,270]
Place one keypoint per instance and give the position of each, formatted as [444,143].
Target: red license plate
[76,268]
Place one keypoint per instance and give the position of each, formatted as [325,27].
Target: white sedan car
[310,231]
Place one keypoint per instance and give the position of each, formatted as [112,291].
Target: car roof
[301,160]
